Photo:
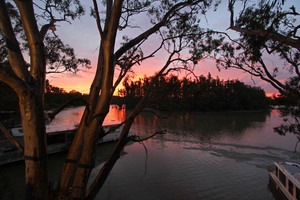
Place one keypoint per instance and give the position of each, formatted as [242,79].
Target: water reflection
[69,118]
[220,155]
[212,155]
[205,124]
[249,127]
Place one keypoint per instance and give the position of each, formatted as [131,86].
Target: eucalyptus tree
[271,27]
[265,28]
[175,21]
[20,33]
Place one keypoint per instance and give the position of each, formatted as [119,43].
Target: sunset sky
[83,36]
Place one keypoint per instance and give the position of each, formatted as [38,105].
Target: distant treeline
[54,97]
[170,93]
[203,93]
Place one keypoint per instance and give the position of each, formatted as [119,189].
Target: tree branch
[133,62]
[269,75]
[46,27]
[36,46]
[270,35]
[153,29]
[98,19]
[16,59]
[11,79]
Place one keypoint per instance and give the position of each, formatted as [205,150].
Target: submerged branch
[136,138]
[11,138]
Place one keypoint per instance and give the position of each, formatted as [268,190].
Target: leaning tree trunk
[73,156]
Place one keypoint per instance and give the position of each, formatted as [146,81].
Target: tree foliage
[274,31]
[266,28]
[22,37]
[60,57]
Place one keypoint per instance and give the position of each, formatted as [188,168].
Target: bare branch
[46,27]
[128,65]
[230,7]
[98,19]
[155,28]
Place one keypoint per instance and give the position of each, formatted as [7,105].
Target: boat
[59,139]
[286,178]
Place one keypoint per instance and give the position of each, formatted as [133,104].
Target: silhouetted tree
[20,34]
[265,28]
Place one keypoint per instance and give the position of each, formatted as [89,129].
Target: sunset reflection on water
[203,155]
[251,127]
[71,117]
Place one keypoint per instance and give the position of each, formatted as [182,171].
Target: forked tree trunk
[80,159]
[73,156]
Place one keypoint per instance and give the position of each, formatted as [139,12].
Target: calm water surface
[211,155]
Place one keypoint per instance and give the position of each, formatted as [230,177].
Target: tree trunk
[80,159]
[35,145]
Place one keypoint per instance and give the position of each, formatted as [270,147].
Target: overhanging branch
[153,29]
[270,35]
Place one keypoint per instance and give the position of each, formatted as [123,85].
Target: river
[203,155]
